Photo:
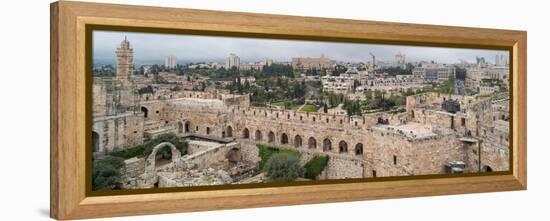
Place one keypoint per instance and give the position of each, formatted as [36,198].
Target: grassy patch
[315,166]
[309,108]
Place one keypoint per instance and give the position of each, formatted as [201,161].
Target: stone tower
[124,62]
[124,96]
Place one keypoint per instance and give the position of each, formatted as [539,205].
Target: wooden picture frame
[70,98]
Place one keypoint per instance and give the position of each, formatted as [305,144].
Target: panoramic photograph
[174,110]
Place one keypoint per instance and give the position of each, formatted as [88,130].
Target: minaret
[125,61]
[126,97]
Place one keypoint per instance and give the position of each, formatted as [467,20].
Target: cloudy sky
[188,48]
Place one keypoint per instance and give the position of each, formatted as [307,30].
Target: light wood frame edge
[68,198]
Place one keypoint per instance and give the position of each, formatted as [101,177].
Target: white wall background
[24,114]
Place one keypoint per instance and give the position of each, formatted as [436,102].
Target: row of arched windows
[284,139]
[297,141]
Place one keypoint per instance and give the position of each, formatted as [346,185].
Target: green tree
[283,167]
[106,173]
[315,166]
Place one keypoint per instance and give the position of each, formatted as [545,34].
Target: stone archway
[342,147]
[311,143]
[284,138]
[151,159]
[95,141]
[487,169]
[145,111]
[246,133]
[180,127]
[258,135]
[359,149]
[187,125]
[271,137]
[327,145]
[229,131]
[297,141]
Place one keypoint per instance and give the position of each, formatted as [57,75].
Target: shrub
[266,152]
[146,148]
[315,166]
[106,173]
[283,167]
[129,152]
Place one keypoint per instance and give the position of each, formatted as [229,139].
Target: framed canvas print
[160,110]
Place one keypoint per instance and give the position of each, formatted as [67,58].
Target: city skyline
[189,48]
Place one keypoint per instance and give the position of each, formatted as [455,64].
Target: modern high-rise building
[124,61]
[480,61]
[232,61]
[170,61]
[501,60]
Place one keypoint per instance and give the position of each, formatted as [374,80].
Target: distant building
[170,61]
[400,60]
[304,63]
[197,66]
[268,62]
[434,72]
[483,90]
[251,67]
[250,79]
[232,61]
[480,61]
[501,60]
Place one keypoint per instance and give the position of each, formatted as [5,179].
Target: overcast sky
[188,48]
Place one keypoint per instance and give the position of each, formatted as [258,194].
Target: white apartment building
[232,61]
[170,61]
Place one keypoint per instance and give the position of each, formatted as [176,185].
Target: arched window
[246,133]
[359,149]
[297,141]
[343,147]
[311,143]
[145,111]
[327,145]
[180,127]
[271,137]
[284,138]
[95,141]
[258,135]
[229,131]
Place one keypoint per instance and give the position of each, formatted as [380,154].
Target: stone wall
[495,153]
[343,167]
[392,154]
[116,132]
[211,157]
[134,167]
[419,141]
